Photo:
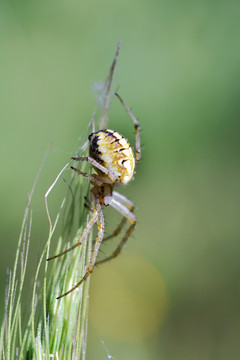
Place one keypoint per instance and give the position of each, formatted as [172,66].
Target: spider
[112,157]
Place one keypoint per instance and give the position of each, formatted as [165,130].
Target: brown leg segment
[117,230]
[93,178]
[120,246]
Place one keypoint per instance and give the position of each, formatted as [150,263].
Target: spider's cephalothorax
[113,159]
[114,152]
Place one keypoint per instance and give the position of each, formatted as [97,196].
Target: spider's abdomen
[114,152]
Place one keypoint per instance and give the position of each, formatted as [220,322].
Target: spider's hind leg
[130,205]
[117,230]
[127,213]
[100,224]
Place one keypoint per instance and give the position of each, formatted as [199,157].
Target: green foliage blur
[174,291]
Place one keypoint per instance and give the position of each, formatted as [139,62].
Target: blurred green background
[174,292]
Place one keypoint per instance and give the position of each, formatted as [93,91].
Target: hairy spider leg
[84,235]
[130,206]
[100,224]
[136,126]
[113,178]
[131,218]
[93,178]
[117,230]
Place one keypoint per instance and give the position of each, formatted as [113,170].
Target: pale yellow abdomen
[114,152]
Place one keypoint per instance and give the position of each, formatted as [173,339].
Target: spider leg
[100,224]
[93,178]
[94,163]
[120,246]
[124,210]
[117,230]
[84,235]
[129,204]
[136,126]
[131,218]
[123,199]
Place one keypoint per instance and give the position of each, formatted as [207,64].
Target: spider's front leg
[95,179]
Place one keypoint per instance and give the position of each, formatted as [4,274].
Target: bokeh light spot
[128,300]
